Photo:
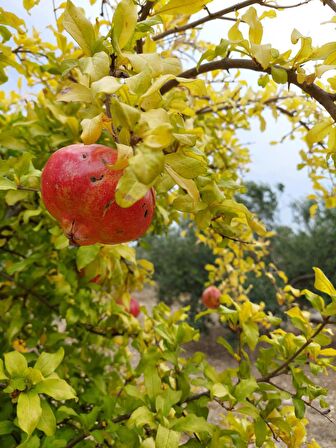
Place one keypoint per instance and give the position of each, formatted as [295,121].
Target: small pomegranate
[211,297]
[78,189]
[134,306]
[95,279]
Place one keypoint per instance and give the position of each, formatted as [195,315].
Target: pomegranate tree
[78,189]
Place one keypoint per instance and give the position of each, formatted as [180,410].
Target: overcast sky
[270,164]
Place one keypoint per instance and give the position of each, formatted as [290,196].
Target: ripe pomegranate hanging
[211,297]
[78,189]
[134,306]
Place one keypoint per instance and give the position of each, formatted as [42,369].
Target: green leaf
[124,22]
[147,166]
[47,363]
[141,417]
[85,255]
[129,189]
[96,66]
[75,92]
[279,75]
[28,411]
[56,388]
[187,184]
[47,422]
[299,407]
[92,129]
[6,427]
[6,184]
[16,364]
[123,114]
[260,429]
[183,7]
[166,438]
[78,26]
[166,400]
[3,375]
[192,423]
[323,284]
[152,381]
[245,388]
[153,62]
[251,333]
[187,167]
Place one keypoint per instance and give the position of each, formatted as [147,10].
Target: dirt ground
[319,427]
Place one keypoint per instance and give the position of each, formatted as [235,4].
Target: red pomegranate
[95,279]
[78,189]
[134,306]
[211,297]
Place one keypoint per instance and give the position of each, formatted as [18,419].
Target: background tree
[77,369]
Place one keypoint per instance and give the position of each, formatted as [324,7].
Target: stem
[144,13]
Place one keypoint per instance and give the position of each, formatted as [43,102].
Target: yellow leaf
[187,184]
[124,22]
[79,28]
[328,352]
[235,34]
[263,54]
[319,132]
[108,84]
[256,29]
[183,7]
[92,129]
[75,92]
[124,153]
[323,284]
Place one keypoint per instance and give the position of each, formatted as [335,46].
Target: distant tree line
[180,260]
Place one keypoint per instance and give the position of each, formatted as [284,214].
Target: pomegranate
[78,189]
[134,306]
[95,279]
[211,297]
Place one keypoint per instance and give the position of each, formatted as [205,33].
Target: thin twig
[307,403]
[221,13]
[211,16]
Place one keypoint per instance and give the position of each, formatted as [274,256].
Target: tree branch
[211,16]
[222,12]
[330,3]
[283,367]
[321,96]
[143,14]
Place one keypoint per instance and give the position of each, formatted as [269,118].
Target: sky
[270,164]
